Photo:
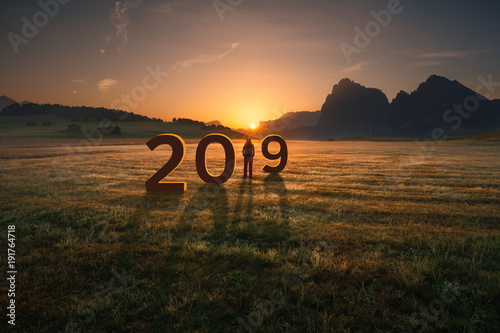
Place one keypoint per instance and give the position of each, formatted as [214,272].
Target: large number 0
[281,155]
[178,151]
[201,163]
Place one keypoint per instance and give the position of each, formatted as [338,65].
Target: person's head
[249,140]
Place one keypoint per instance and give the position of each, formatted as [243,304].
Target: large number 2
[178,151]
[281,154]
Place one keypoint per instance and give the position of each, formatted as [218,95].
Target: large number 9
[281,154]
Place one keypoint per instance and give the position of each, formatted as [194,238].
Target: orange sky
[262,60]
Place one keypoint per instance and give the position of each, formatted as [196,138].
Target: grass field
[350,237]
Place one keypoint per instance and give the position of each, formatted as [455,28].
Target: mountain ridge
[438,103]
[6,101]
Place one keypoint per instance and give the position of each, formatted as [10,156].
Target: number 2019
[178,146]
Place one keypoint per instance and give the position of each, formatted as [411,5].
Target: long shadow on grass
[243,208]
[274,183]
[211,197]
[132,237]
[262,223]
[228,234]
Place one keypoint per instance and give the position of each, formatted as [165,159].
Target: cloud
[104,85]
[183,64]
[429,63]
[433,59]
[74,92]
[449,54]
[120,20]
[359,66]
[168,7]
[102,50]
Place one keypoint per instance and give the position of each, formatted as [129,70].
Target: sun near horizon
[234,70]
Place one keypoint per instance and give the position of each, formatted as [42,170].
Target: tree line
[87,113]
[73,113]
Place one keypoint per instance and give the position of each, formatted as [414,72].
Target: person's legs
[250,166]
[245,162]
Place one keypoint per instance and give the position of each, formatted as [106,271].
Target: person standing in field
[248,154]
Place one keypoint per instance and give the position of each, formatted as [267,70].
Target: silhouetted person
[248,154]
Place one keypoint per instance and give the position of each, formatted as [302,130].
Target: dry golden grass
[350,237]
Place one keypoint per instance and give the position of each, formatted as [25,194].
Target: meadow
[353,236]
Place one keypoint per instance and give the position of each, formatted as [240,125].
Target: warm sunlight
[252,126]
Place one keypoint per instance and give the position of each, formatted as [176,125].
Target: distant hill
[15,118]
[214,123]
[5,101]
[295,122]
[489,136]
[291,120]
[352,110]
